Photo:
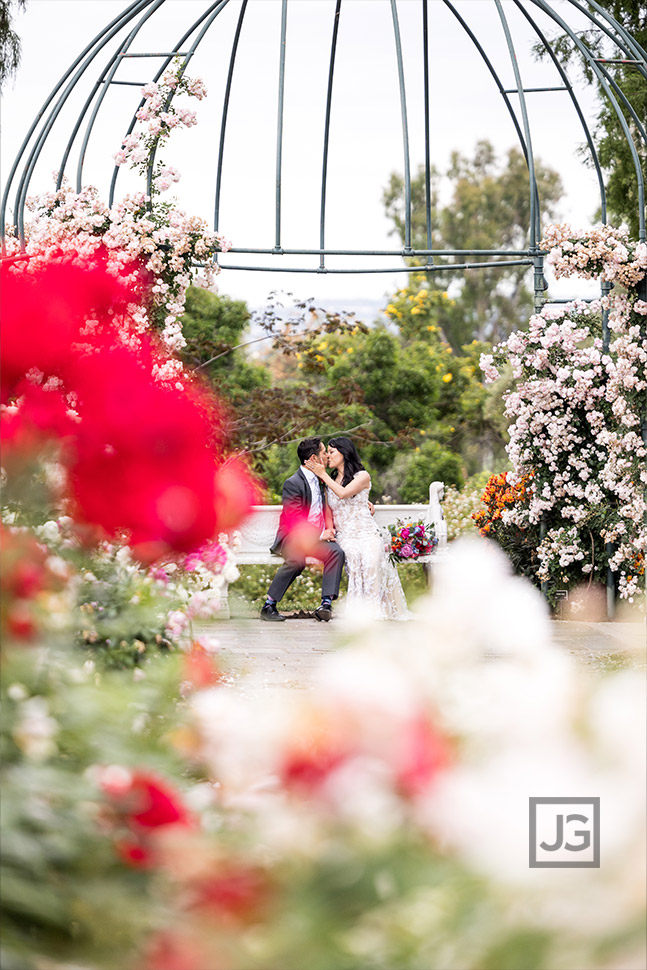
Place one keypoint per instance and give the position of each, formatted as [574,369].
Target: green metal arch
[137,13]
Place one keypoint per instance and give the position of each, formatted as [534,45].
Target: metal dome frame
[139,12]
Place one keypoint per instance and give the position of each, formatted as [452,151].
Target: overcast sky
[366,129]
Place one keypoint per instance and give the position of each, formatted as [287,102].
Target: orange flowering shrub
[499,495]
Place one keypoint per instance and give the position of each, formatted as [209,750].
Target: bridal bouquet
[410,540]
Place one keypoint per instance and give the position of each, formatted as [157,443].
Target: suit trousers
[332,557]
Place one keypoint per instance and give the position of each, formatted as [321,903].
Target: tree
[10,47]
[612,145]
[489,209]
[214,327]
[417,410]
[263,413]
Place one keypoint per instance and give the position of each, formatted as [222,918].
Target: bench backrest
[258,530]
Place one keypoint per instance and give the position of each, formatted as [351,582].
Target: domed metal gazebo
[97,77]
[92,79]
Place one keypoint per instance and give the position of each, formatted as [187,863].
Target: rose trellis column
[578,416]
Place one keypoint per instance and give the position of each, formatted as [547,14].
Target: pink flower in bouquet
[407,550]
[405,533]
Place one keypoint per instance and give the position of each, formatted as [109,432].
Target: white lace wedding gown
[373,581]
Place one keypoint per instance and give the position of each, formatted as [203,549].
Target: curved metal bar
[497,81]
[54,113]
[534,213]
[5,198]
[425,64]
[576,105]
[157,76]
[625,100]
[405,127]
[183,66]
[621,118]
[630,45]
[110,67]
[324,167]
[225,110]
[279,122]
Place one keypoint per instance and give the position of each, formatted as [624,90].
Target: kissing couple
[327,515]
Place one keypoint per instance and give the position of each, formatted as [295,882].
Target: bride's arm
[358,484]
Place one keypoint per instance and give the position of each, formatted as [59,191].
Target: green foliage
[407,480]
[612,145]
[10,46]
[460,504]
[489,209]
[66,896]
[248,594]
[122,612]
[213,325]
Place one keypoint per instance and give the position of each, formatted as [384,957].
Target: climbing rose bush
[576,416]
[150,242]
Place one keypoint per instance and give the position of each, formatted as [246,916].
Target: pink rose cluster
[157,118]
[576,413]
[604,251]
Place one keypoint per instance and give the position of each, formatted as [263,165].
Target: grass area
[247,594]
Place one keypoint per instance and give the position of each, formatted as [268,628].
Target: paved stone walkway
[286,654]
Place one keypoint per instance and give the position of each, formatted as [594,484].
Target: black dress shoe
[270,612]
[323,613]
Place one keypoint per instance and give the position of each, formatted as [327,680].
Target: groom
[302,532]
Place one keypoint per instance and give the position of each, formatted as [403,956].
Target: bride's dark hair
[352,463]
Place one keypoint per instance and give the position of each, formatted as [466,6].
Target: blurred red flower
[239,892]
[150,803]
[24,574]
[199,669]
[307,770]
[44,313]
[173,950]
[141,459]
[141,454]
[425,752]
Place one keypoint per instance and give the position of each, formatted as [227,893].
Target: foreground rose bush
[362,822]
[139,456]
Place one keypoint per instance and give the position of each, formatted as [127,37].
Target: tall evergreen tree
[611,141]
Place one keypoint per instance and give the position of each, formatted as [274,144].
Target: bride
[372,579]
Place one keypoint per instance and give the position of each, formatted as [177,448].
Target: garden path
[260,655]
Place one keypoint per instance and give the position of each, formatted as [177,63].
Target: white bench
[259,528]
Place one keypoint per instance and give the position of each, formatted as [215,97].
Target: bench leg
[224,612]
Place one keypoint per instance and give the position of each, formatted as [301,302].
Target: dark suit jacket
[297,499]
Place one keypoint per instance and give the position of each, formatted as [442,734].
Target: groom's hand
[371,508]
[328,535]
